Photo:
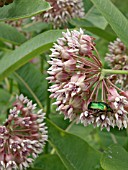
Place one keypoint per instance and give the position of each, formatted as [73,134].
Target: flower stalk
[109,71]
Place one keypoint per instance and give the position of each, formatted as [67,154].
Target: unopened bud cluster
[23,135]
[117,59]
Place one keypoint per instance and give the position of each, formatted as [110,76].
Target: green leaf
[94,16]
[114,17]
[11,34]
[23,9]
[86,133]
[83,23]
[36,27]
[102,33]
[122,6]
[3,46]
[87,5]
[32,83]
[48,162]
[58,119]
[74,152]
[105,139]
[80,22]
[115,158]
[5,103]
[27,51]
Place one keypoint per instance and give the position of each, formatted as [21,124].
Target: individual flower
[62,11]
[117,59]
[81,90]
[23,135]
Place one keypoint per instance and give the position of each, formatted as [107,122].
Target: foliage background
[70,146]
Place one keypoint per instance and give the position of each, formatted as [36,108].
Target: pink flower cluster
[63,10]
[23,135]
[78,80]
[117,117]
[117,59]
[119,104]
[71,72]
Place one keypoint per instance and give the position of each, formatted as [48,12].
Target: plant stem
[11,86]
[48,110]
[109,71]
[42,58]
[71,124]
[113,138]
[48,102]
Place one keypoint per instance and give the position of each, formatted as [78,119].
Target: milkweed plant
[63,85]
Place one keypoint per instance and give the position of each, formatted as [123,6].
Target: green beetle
[99,106]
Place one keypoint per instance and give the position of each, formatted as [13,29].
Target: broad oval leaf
[11,34]
[114,17]
[115,158]
[74,152]
[23,9]
[27,51]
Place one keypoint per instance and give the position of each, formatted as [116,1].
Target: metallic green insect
[99,106]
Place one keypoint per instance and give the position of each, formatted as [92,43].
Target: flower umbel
[74,70]
[118,60]
[62,11]
[23,135]
[81,90]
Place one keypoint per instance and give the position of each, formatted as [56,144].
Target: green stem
[48,111]
[13,47]
[11,86]
[109,71]
[42,58]
[71,124]
[113,138]
[48,102]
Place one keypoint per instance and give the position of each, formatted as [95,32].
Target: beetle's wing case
[97,106]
